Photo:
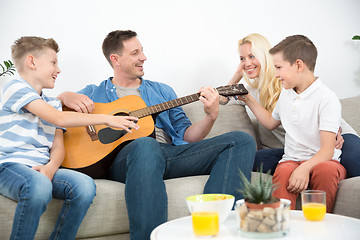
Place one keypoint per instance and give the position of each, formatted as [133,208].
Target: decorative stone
[243,211]
[268,212]
[269,221]
[252,224]
[244,225]
[256,214]
[263,228]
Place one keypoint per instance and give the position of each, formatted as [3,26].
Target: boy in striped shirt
[32,149]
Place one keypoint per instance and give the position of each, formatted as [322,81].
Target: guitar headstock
[232,90]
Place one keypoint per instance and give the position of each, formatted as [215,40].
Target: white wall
[188,43]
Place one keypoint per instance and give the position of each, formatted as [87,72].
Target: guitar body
[84,154]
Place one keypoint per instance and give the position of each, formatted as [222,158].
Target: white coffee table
[332,227]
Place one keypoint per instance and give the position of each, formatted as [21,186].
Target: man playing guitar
[178,148]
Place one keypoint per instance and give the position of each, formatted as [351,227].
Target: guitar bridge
[92,132]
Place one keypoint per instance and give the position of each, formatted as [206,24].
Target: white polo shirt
[303,116]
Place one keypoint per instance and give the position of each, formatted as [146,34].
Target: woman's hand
[339,140]
[237,75]
[223,100]
[234,80]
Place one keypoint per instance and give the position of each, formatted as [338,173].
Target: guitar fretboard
[230,90]
[165,106]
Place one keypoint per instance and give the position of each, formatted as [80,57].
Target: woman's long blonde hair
[268,85]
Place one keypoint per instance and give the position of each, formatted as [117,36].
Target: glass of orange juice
[205,223]
[313,204]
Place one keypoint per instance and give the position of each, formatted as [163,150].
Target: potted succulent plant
[259,193]
[259,213]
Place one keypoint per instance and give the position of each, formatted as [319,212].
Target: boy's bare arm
[74,119]
[299,179]
[260,112]
[57,154]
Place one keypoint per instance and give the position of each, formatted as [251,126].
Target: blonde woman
[257,72]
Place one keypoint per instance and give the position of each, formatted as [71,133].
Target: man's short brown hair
[113,43]
[30,45]
[297,47]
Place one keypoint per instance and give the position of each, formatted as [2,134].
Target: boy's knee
[284,170]
[86,194]
[85,187]
[285,167]
[89,187]
[328,169]
[38,190]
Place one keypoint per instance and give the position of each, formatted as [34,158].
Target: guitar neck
[140,113]
[229,90]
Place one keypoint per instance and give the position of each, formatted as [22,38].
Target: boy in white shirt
[311,115]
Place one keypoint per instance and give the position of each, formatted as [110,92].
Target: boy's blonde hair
[297,47]
[30,45]
[268,85]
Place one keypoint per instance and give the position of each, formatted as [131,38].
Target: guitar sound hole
[121,114]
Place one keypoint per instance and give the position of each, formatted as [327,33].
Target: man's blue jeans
[144,163]
[33,191]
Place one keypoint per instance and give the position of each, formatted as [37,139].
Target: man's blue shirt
[173,121]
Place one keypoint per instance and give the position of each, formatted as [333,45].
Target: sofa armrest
[348,198]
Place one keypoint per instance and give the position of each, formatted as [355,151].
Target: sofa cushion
[178,189]
[351,112]
[108,213]
[266,138]
[230,118]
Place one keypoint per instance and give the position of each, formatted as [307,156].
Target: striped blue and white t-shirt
[24,137]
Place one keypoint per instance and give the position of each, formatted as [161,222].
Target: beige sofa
[107,216]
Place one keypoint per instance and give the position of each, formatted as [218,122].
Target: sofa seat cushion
[107,214]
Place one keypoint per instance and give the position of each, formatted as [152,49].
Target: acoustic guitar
[92,149]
